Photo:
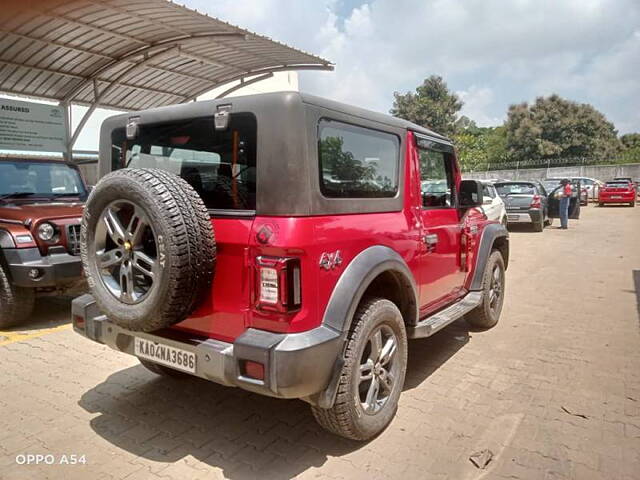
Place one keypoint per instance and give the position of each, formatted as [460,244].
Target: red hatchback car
[617,191]
[327,254]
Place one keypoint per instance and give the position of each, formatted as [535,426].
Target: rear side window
[219,165]
[357,162]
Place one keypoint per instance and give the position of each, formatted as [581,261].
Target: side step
[437,321]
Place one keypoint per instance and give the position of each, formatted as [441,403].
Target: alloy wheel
[126,254]
[377,371]
[495,288]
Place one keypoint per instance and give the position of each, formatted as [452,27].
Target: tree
[432,106]
[554,127]
[630,140]
[631,147]
[478,147]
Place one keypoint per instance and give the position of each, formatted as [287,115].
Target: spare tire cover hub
[126,251]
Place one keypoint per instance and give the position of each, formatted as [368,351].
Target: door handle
[430,240]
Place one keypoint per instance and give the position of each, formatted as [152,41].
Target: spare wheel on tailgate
[148,248]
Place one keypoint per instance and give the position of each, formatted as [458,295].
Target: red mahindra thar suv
[282,243]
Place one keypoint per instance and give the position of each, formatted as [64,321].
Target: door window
[488,191]
[436,179]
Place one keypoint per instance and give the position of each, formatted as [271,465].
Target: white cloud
[477,101]
[496,52]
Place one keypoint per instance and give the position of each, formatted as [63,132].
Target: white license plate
[616,197]
[513,218]
[165,355]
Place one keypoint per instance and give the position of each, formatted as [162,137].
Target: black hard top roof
[369,114]
[245,102]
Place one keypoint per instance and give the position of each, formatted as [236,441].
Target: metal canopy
[130,54]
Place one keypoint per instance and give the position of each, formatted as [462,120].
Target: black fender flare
[6,240]
[490,234]
[346,297]
[357,277]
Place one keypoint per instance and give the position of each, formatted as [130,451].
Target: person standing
[565,199]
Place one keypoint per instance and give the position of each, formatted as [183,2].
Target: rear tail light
[536,202]
[278,284]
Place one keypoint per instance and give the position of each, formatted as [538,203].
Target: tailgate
[222,314]
[515,202]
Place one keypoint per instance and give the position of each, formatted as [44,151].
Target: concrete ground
[553,391]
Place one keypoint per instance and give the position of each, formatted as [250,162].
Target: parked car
[618,191]
[493,206]
[40,211]
[525,202]
[329,252]
[591,185]
[576,185]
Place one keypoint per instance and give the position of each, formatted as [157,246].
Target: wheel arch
[372,270]
[375,270]
[494,237]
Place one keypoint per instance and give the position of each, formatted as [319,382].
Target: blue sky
[493,53]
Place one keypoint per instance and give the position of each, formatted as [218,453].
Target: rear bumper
[296,365]
[524,216]
[54,270]
[623,198]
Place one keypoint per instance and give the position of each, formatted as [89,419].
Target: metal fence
[599,172]
[551,163]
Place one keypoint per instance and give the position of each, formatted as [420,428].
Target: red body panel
[22,217]
[617,194]
[441,275]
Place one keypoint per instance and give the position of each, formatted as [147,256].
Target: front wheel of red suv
[373,373]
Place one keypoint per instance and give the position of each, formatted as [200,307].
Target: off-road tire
[16,303]
[346,417]
[483,316]
[162,370]
[188,250]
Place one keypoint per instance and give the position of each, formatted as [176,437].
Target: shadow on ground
[244,434]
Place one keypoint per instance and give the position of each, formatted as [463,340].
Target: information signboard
[30,126]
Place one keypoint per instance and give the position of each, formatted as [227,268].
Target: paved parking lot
[553,391]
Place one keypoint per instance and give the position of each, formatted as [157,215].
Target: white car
[591,185]
[492,205]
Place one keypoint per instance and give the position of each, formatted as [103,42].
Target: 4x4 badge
[329,260]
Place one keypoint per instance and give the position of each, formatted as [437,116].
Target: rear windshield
[515,189]
[621,184]
[219,165]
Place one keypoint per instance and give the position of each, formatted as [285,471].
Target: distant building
[280,82]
